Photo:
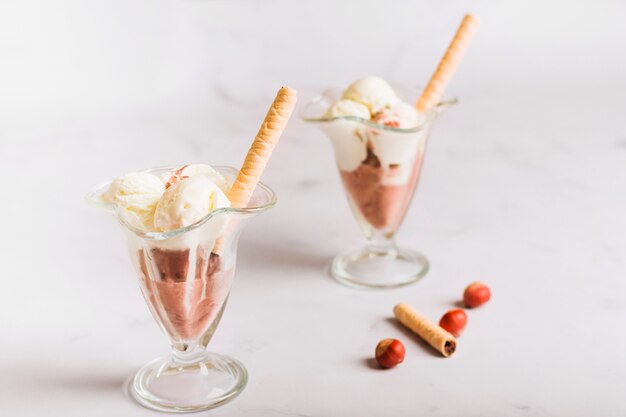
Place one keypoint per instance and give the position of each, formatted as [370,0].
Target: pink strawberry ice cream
[379,165]
[382,205]
[185,308]
[184,283]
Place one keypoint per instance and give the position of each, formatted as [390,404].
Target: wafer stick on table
[437,337]
[448,65]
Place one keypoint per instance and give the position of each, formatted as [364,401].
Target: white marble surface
[523,188]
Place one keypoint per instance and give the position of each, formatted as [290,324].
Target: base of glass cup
[368,268]
[168,385]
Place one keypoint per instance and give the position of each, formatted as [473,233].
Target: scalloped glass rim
[94,200]
[430,114]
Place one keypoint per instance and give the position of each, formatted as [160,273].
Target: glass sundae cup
[380,168]
[185,276]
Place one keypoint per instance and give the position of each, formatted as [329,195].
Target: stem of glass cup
[188,357]
[382,244]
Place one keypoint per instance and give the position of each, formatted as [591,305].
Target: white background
[523,188]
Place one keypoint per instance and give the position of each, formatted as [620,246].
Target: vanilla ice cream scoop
[402,116]
[188,201]
[137,193]
[373,92]
[191,170]
[343,108]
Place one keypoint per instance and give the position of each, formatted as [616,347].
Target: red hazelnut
[389,353]
[476,294]
[454,321]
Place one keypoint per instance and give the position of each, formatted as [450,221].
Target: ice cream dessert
[184,282]
[379,143]
[182,226]
[180,241]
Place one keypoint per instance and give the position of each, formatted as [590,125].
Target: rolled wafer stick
[259,153]
[437,337]
[449,63]
[262,147]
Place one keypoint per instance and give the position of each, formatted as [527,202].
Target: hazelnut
[389,353]
[454,321]
[476,294]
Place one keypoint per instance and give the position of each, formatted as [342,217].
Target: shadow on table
[91,383]
[58,380]
[283,257]
[372,364]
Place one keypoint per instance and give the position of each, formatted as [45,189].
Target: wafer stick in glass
[259,153]
[448,65]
